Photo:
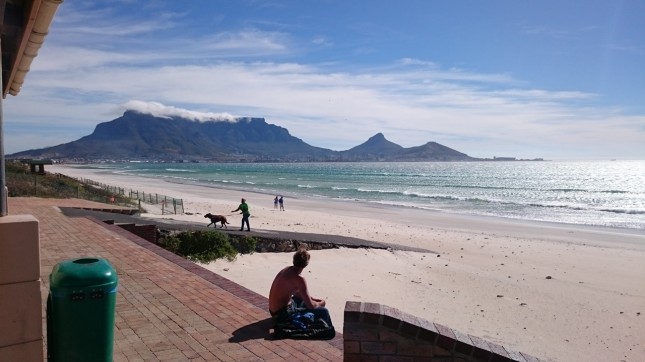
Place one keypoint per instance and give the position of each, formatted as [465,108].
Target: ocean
[600,193]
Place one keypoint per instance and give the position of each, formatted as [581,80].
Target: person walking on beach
[244,208]
[281,201]
[275,203]
[289,293]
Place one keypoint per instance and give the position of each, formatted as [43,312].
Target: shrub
[21,182]
[205,246]
[245,244]
[170,243]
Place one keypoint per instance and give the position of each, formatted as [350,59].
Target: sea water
[602,193]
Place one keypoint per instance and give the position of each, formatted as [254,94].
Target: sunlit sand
[558,292]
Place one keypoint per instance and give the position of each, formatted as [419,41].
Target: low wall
[21,318]
[147,232]
[374,332]
[272,245]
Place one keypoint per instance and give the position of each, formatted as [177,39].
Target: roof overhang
[25,24]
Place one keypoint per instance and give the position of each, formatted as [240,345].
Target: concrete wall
[374,332]
[21,336]
[147,232]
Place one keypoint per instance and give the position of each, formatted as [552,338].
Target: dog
[217,219]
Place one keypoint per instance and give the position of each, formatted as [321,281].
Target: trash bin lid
[83,272]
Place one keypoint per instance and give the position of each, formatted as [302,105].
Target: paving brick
[168,308]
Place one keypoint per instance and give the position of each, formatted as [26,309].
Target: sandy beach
[559,292]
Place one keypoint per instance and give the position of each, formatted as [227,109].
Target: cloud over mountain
[157,109]
[168,136]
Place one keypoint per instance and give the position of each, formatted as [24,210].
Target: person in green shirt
[244,208]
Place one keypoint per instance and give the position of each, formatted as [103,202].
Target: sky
[561,80]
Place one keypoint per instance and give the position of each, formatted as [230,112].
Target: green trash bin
[80,310]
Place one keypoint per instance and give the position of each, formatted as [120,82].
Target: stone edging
[365,334]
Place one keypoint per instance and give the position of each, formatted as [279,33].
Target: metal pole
[4,193]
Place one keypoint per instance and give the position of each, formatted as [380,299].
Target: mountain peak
[377,137]
[378,140]
[375,148]
[143,136]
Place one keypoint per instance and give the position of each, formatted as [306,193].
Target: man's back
[289,296]
[286,283]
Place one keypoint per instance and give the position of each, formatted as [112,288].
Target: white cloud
[322,41]
[249,39]
[159,110]
[85,75]
[411,106]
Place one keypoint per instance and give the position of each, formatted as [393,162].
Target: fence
[21,182]
[152,202]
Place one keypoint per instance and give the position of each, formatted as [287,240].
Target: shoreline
[489,278]
[441,218]
[546,208]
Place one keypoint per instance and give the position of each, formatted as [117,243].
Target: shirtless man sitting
[289,293]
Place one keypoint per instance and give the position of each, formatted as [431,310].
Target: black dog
[215,219]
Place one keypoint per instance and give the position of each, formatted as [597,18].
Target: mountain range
[145,137]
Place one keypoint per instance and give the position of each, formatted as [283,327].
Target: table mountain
[138,136]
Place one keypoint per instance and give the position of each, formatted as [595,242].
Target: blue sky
[552,79]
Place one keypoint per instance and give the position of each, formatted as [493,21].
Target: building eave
[25,24]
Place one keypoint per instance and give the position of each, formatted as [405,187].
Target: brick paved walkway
[167,308]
